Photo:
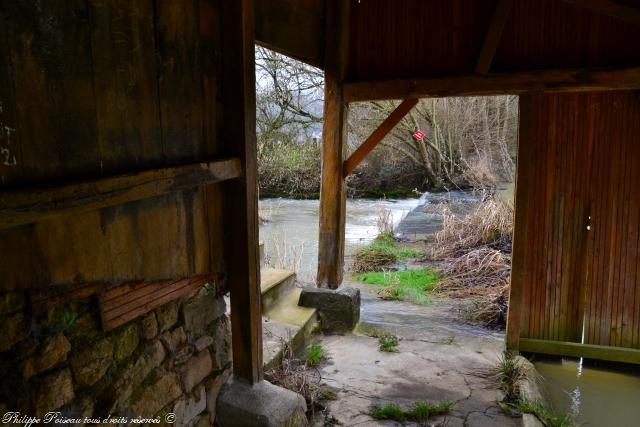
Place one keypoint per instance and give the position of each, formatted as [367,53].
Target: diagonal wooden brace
[377,135]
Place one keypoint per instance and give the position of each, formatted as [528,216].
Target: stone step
[287,322]
[274,285]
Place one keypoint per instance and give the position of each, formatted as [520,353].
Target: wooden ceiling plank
[570,80]
[494,34]
[377,135]
[610,8]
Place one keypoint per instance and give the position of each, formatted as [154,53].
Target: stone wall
[172,360]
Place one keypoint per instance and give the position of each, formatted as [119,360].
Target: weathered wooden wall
[91,89]
[417,39]
[577,260]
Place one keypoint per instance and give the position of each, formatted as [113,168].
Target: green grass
[544,414]
[315,355]
[388,343]
[409,285]
[390,411]
[327,395]
[420,411]
[382,253]
[386,241]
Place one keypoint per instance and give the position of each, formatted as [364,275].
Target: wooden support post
[334,141]
[493,36]
[523,184]
[377,135]
[241,195]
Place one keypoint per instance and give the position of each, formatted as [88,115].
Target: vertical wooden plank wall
[612,304]
[582,171]
[105,88]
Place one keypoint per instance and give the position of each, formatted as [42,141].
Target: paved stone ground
[437,359]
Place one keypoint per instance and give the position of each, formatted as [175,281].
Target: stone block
[13,329]
[202,421]
[183,355]
[196,370]
[203,342]
[85,328]
[167,316]
[52,352]
[200,311]
[12,302]
[339,309]
[125,342]
[221,346]
[91,363]
[156,396]
[55,391]
[187,409]
[259,405]
[135,372]
[174,339]
[149,326]
[213,387]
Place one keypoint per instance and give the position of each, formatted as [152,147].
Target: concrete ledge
[339,309]
[260,405]
[529,390]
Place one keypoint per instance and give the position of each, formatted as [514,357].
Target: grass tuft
[382,252]
[328,395]
[406,285]
[388,343]
[422,411]
[506,375]
[544,414]
[390,411]
[315,355]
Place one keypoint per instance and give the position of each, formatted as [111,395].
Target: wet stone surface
[438,359]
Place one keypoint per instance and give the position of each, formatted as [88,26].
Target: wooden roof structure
[576,64]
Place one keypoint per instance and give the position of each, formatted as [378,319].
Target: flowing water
[291,230]
[290,233]
[594,397]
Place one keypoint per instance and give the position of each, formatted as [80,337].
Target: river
[291,230]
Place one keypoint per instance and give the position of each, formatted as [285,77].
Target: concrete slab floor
[437,360]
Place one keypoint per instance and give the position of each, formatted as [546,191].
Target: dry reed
[474,251]
[384,221]
[293,374]
[487,224]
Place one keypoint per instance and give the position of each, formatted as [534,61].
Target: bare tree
[289,96]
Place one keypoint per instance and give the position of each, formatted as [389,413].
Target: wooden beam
[573,349]
[493,36]
[520,238]
[570,80]
[333,202]
[241,195]
[26,206]
[377,135]
[610,8]
[293,28]
[121,304]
